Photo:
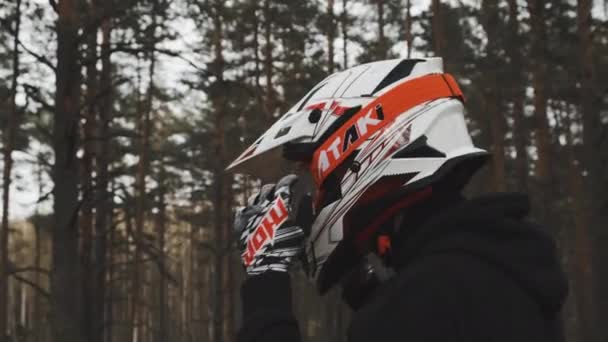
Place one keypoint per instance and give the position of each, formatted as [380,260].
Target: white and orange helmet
[384,130]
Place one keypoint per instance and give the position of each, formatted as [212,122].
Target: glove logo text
[265,231]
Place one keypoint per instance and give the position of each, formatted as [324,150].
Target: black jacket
[476,271]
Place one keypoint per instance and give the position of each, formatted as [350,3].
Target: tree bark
[590,206]
[190,294]
[490,16]
[109,315]
[268,63]
[220,179]
[86,212]
[331,36]
[229,263]
[142,171]
[162,326]
[517,92]
[102,198]
[344,24]
[256,51]
[542,135]
[582,253]
[409,37]
[383,48]
[140,190]
[140,203]
[65,292]
[9,141]
[37,316]
[437,29]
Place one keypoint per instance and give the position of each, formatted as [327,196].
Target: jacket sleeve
[267,309]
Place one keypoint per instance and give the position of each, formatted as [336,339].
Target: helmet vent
[282,132]
[401,71]
[419,149]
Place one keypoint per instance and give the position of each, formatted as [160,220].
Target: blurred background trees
[117,119]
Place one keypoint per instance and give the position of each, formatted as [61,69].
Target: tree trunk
[162,326]
[86,213]
[409,37]
[140,191]
[65,292]
[492,95]
[131,267]
[543,172]
[256,52]
[229,264]
[140,207]
[331,36]
[383,46]
[268,63]
[145,128]
[9,141]
[190,294]
[222,322]
[582,243]
[591,205]
[437,29]
[37,316]
[344,24]
[108,303]
[517,92]
[103,200]
[205,294]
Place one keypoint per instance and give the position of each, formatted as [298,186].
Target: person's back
[474,272]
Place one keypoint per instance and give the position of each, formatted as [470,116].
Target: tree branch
[103,93]
[53,4]
[134,50]
[35,286]
[15,270]
[34,93]
[155,257]
[45,196]
[115,10]
[40,58]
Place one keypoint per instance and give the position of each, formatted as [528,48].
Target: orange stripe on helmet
[377,115]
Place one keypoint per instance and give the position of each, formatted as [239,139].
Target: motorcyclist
[387,152]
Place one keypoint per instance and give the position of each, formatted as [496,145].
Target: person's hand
[268,238]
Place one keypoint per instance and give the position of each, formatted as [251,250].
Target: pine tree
[408,34]
[591,211]
[490,20]
[542,135]
[344,29]
[65,308]
[103,207]
[517,95]
[331,35]
[9,138]
[387,16]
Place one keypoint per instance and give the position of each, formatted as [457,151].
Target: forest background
[118,117]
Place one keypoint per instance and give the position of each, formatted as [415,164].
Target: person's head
[374,139]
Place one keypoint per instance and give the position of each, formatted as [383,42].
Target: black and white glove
[269,240]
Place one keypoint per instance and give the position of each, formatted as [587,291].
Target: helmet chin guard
[378,128]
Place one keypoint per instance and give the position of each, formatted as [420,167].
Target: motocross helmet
[381,132]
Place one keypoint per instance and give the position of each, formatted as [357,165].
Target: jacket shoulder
[450,296]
